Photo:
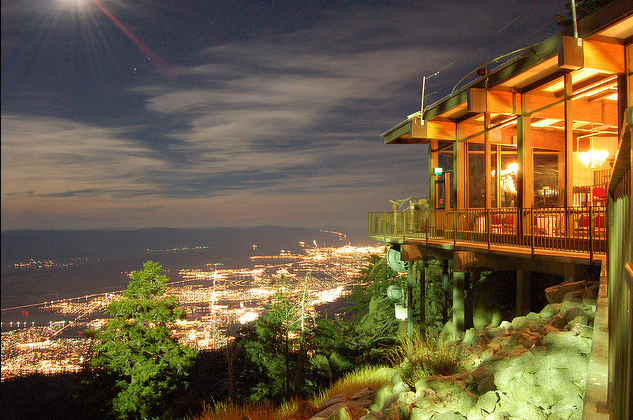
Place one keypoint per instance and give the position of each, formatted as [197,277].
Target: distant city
[47,337]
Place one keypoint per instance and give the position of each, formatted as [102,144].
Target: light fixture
[507,178]
[591,158]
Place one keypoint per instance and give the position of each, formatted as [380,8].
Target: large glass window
[507,173]
[546,178]
[443,186]
[476,176]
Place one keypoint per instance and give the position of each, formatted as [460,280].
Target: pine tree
[137,349]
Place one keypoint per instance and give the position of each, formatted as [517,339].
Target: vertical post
[569,157]
[458,303]
[523,279]
[525,182]
[487,166]
[410,281]
[445,291]
[422,272]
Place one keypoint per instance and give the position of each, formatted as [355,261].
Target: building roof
[535,64]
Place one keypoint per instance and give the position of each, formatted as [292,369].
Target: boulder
[488,401]
[471,338]
[384,397]
[448,415]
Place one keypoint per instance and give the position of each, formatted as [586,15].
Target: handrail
[574,229]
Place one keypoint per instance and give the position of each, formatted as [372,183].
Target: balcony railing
[574,229]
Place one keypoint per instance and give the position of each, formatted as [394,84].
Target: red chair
[599,224]
[583,224]
[599,195]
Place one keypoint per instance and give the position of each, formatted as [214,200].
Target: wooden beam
[476,100]
[604,57]
[436,130]
[570,53]
[502,102]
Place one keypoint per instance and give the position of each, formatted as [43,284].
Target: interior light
[593,158]
[438,171]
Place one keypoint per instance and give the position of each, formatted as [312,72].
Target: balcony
[575,231]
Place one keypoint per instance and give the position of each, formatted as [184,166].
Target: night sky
[200,113]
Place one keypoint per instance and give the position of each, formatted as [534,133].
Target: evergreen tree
[137,351]
[276,346]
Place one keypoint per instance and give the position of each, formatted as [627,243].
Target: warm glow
[248,317]
[507,180]
[593,158]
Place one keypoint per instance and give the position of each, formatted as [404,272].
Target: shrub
[419,357]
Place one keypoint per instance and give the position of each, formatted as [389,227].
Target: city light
[216,299]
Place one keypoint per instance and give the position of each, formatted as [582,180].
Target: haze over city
[196,114]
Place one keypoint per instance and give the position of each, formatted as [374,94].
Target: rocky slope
[532,368]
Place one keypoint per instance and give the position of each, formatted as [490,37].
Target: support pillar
[422,271]
[523,281]
[411,269]
[458,303]
[444,291]
[471,278]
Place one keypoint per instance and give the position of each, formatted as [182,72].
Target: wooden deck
[523,232]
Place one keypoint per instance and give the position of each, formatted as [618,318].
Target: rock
[393,413]
[549,310]
[488,401]
[405,402]
[363,394]
[558,322]
[447,415]
[555,294]
[446,334]
[533,315]
[420,413]
[505,325]
[471,338]
[476,413]
[572,313]
[567,408]
[384,397]
[342,413]
[333,400]
[372,415]
[518,322]
[398,384]
[529,411]
[486,384]
[496,416]
[561,340]
[487,354]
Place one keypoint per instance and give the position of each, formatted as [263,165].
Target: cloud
[282,128]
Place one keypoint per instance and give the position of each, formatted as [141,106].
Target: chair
[599,195]
[599,225]
[583,225]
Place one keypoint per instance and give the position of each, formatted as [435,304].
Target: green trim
[396,132]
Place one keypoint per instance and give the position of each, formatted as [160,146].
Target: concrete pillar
[471,279]
[444,291]
[422,271]
[458,304]
[411,269]
[523,281]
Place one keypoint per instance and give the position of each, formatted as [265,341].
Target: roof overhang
[415,130]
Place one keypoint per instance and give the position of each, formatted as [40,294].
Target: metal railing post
[591,227]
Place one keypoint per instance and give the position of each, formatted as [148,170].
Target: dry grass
[420,357]
[366,377]
[298,410]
